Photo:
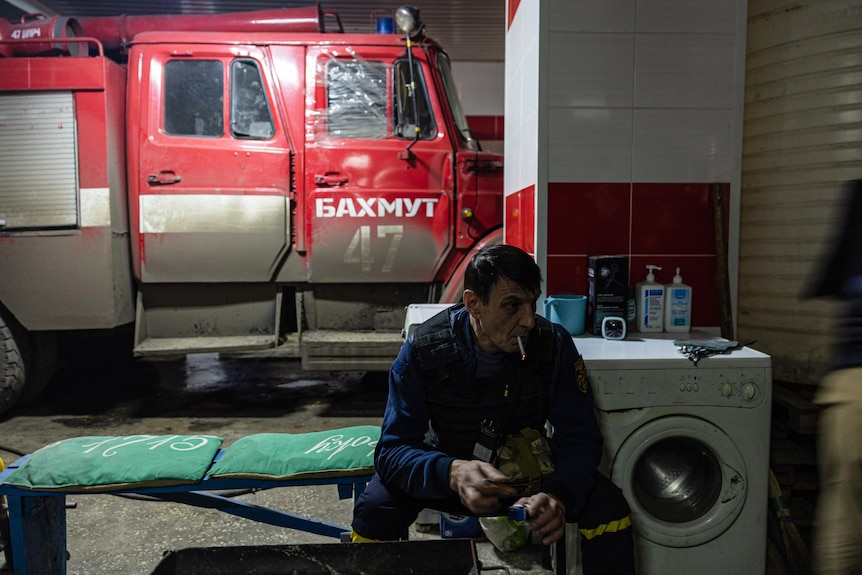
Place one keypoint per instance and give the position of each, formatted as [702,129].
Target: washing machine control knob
[749,391]
[727,389]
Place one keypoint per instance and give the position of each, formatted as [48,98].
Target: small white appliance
[689,446]
[417,313]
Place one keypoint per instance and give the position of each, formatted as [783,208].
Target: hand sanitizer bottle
[677,305]
[650,302]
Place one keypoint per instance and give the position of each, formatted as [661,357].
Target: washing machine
[689,446]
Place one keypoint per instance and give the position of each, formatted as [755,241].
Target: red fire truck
[230,182]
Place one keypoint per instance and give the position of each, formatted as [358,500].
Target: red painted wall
[520,218]
[486,128]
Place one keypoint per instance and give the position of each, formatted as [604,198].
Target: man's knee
[379,526]
[608,528]
[380,515]
[606,510]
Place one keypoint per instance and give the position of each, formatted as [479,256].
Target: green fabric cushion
[105,463]
[335,453]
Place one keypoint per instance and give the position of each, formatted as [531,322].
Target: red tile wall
[668,225]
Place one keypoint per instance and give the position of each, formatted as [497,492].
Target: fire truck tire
[11,368]
[41,361]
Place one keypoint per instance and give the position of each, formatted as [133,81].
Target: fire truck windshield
[357,100]
[445,68]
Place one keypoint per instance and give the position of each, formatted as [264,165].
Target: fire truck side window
[194,98]
[451,91]
[411,112]
[356,99]
[249,111]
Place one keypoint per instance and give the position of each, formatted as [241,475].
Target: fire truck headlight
[407,19]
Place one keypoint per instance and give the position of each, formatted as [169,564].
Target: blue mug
[567,310]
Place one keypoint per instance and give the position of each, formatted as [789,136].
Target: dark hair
[490,263]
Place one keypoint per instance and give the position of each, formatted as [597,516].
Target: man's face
[508,314]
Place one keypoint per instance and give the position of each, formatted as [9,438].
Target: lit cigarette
[523,352]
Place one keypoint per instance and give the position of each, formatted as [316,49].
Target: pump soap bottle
[650,302]
[677,305]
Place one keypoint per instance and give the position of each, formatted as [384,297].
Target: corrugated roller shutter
[38,161]
[802,141]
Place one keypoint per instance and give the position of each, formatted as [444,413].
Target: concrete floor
[205,393]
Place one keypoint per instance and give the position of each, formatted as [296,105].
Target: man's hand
[547,516]
[479,485]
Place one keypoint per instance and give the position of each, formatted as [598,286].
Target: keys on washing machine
[697,349]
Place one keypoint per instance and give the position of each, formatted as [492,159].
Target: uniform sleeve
[576,443]
[402,459]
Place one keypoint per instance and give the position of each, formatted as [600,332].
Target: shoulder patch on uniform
[581,371]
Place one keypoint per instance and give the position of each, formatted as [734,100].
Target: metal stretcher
[37,519]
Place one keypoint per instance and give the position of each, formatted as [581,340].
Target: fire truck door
[212,182]
[376,210]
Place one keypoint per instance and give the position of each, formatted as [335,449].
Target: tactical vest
[459,402]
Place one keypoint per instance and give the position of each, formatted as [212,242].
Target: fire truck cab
[255,186]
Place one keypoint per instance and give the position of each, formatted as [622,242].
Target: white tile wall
[644,90]
[522,146]
[687,16]
[592,15]
[591,70]
[684,71]
[675,145]
[590,145]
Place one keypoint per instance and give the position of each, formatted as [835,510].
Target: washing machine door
[684,479]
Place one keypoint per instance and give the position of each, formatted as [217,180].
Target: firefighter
[489,406]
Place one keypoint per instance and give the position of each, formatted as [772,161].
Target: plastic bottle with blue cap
[677,305]
[650,302]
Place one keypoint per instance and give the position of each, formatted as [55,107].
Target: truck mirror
[407,20]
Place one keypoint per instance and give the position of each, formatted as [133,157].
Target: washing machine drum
[684,479]
[677,480]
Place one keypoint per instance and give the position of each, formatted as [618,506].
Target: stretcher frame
[37,518]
